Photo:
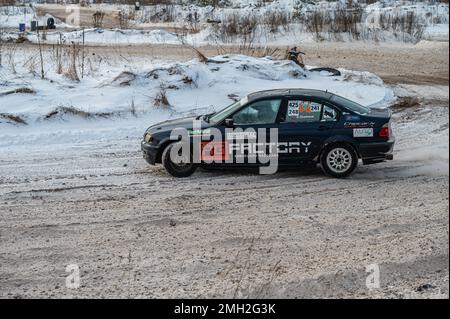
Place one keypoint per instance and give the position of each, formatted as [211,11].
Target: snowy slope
[190,86]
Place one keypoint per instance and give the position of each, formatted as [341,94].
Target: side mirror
[229,122]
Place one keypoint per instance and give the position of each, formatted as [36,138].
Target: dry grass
[24,90]
[124,78]
[71,72]
[161,100]
[201,57]
[12,118]
[125,18]
[97,19]
[73,111]
[274,20]
[10,55]
[407,102]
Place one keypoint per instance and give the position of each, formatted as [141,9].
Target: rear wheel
[339,160]
[179,168]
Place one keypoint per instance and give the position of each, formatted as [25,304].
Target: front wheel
[176,169]
[339,160]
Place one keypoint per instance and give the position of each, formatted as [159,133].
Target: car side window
[329,114]
[303,111]
[260,112]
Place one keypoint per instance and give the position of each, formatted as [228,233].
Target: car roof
[287,92]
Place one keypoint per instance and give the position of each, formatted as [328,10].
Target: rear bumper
[150,152]
[372,153]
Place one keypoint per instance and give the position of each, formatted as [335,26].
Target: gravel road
[133,231]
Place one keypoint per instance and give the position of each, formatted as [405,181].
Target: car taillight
[385,130]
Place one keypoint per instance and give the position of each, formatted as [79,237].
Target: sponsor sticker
[293,108]
[352,118]
[241,135]
[315,107]
[214,151]
[198,132]
[296,108]
[363,132]
[359,124]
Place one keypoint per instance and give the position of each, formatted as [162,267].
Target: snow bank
[437,32]
[194,87]
[429,21]
[109,37]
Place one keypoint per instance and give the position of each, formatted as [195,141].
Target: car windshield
[350,105]
[222,115]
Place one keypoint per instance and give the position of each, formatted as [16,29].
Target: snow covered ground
[75,189]
[117,87]
[78,192]
[280,22]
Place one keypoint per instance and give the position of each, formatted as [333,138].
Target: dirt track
[136,232]
[423,63]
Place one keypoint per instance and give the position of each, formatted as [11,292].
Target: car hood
[185,122]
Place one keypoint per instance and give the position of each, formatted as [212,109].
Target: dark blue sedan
[288,127]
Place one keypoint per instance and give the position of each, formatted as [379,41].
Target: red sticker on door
[214,151]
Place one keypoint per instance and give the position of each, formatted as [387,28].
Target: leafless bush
[32,64]
[10,54]
[236,27]
[57,51]
[349,20]
[71,72]
[97,19]
[161,100]
[41,57]
[343,20]
[125,18]
[408,24]
[161,13]
[276,19]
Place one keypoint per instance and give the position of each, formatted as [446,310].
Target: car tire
[332,71]
[174,169]
[338,160]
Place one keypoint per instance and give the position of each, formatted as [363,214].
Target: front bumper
[150,152]
[372,153]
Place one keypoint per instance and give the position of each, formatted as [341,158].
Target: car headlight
[148,138]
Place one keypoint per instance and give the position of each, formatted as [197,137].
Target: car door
[257,116]
[305,123]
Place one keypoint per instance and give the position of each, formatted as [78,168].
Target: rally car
[313,127]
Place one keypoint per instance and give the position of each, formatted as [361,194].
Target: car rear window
[350,105]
